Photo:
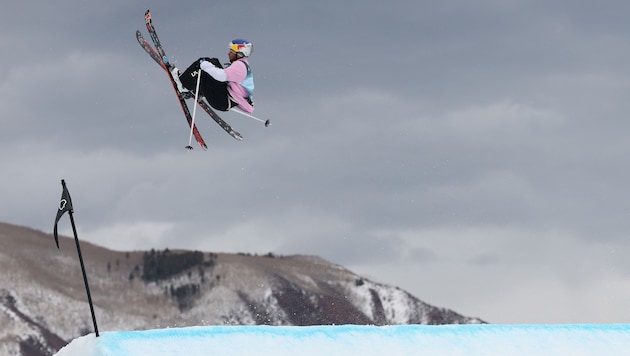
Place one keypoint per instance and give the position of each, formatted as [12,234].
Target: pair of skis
[159,56]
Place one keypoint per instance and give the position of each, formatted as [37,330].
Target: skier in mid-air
[223,88]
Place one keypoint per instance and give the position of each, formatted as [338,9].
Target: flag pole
[87,287]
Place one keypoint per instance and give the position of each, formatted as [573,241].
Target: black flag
[65,204]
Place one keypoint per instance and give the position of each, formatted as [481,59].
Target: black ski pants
[215,92]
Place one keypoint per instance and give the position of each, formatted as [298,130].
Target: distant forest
[159,265]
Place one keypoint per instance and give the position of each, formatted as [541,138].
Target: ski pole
[266,122]
[192,125]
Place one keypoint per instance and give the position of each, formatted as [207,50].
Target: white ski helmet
[241,47]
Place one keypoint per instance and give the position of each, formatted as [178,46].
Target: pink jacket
[235,75]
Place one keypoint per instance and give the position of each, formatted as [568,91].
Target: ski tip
[236,135]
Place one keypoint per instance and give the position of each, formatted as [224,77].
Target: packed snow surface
[467,340]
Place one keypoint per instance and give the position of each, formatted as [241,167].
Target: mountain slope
[43,299]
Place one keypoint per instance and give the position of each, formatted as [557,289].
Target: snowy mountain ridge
[44,304]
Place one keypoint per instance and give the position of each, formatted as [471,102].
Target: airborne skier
[159,56]
[223,88]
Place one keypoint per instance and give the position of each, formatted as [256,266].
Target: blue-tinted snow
[360,340]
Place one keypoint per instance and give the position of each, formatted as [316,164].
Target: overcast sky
[473,153]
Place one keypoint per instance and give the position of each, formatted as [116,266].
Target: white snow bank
[360,340]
